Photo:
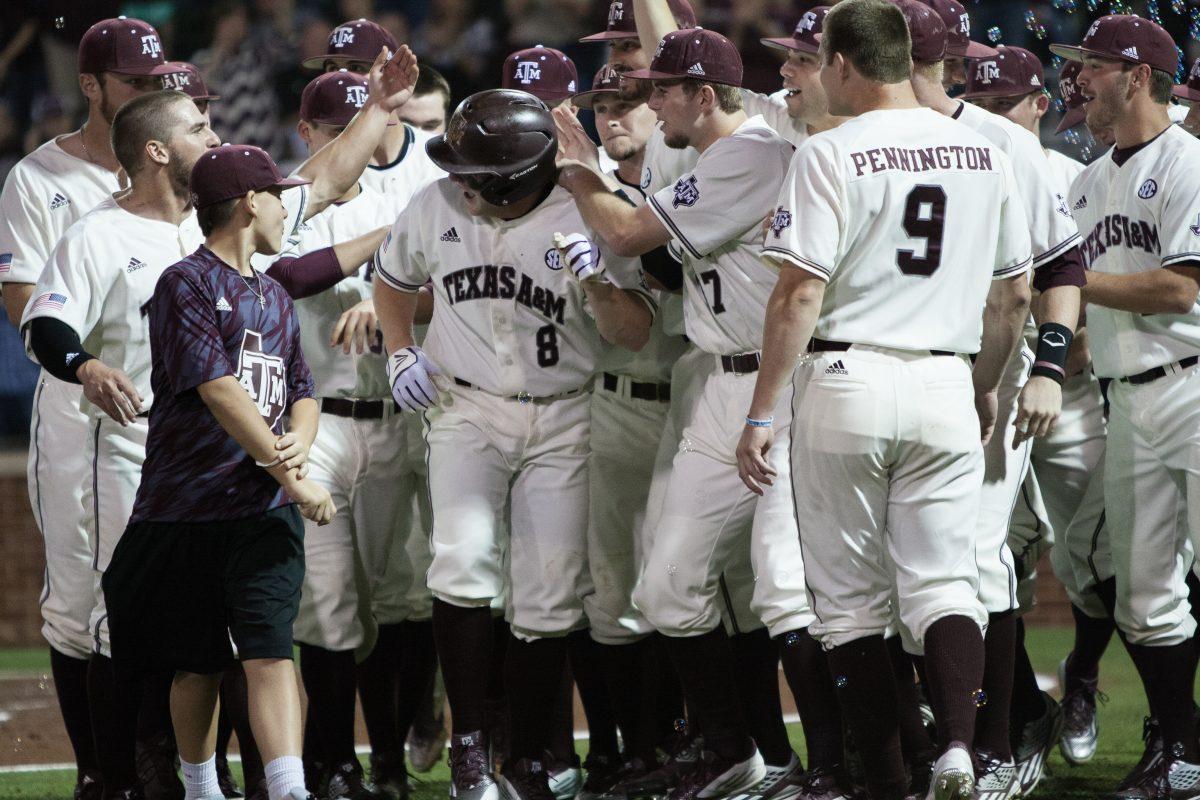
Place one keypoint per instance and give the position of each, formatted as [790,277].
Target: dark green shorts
[176,592]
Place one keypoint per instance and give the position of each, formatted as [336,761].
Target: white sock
[200,780]
[284,775]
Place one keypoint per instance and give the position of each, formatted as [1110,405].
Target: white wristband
[278,460]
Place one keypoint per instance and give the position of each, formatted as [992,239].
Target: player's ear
[1042,101]
[89,84]
[156,152]
[305,132]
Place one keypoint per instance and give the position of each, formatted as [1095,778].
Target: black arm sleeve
[660,265]
[57,347]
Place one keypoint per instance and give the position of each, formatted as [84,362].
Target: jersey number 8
[929,227]
[547,346]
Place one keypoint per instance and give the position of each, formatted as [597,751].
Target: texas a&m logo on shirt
[263,376]
[686,193]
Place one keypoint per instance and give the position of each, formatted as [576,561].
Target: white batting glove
[411,374]
[579,254]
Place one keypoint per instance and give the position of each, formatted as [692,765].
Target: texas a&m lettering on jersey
[490,282]
[263,376]
[1118,230]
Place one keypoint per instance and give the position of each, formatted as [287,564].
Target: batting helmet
[504,136]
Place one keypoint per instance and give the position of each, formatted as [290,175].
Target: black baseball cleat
[390,777]
[471,769]
[157,768]
[716,776]
[229,788]
[1138,784]
[820,783]
[525,779]
[347,782]
[601,774]
[88,786]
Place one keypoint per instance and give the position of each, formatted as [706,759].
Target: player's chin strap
[1054,341]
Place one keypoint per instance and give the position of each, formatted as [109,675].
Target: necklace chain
[262,297]
[83,141]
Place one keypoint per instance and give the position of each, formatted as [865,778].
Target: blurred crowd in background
[250,51]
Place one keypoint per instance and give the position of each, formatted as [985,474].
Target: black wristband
[1050,361]
[57,347]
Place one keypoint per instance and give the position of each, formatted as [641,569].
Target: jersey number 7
[928,226]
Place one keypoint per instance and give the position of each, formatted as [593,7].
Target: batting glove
[411,374]
[577,253]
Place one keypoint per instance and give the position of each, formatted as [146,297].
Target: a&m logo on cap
[528,72]
[151,46]
[808,21]
[616,12]
[987,71]
[176,80]
[964,24]
[1092,30]
[341,36]
[356,96]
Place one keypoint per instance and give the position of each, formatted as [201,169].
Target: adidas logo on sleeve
[450,236]
[59,201]
[1081,203]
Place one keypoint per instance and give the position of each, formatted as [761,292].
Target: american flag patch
[50,301]
[5,263]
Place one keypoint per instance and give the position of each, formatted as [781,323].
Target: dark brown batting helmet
[507,137]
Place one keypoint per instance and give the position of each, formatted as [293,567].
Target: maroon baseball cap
[1191,90]
[693,53]
[333,98]
[806,37]
[958,30]
[607,81]
[231,170]
[1125,38]
[1013,71]
[546,73]
[927,31]
[622,26]
[186,78]
[356,40]
[122,45]
[1072,97]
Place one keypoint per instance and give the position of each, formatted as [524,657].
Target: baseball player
[725,286]
[1030,394]
[507,420]
[399,167]
[213,547]
[362,457]
[1190,94]
[917,465]
[960,47]
[187,79]
[1011,84]
[43,195]
[429,107]
[1136,207]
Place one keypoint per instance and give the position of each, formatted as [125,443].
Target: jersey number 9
[929,227]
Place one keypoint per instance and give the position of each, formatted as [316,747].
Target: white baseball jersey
[1063,170]
[100,275]
[1138,216]
[507,317]
[715,212]
[654,361]
[409,173]
[866,207]
[43,196]
[335,373]
[662,165]
[1177,112]
[1051,228]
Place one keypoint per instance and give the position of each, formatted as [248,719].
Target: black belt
[825,346]
[355,409]
[1155,373]
[654,392]
[525,397]
[741,364]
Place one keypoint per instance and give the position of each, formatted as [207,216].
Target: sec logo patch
[1148,189]
[553,259]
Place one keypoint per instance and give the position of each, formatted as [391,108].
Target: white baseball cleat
[953,775]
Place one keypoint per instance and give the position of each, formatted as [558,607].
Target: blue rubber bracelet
[760,423]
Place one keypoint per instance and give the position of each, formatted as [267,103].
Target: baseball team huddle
[474,411]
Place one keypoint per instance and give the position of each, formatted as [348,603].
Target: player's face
[476,205]
[1104,136]
[269,219]
[202,107]
[1022,109]
[316,135]
[623,126]
[805,96]
[626,55]
[954,72]
[360,67]
[426,112]
[116,90]
[1104,85]
[190,137]
[675,110]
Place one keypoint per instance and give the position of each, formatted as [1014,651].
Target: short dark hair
[429,80]
[141,120]
[729,98]
[1161,83]
[873,36]
[214,216]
